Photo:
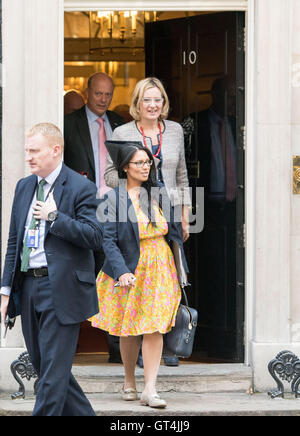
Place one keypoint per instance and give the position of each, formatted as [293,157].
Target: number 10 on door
[191,57]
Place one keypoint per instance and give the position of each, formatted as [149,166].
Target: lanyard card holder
[33,238]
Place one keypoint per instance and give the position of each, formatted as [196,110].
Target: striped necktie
[34,224]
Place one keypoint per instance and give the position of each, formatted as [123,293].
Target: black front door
[200,60]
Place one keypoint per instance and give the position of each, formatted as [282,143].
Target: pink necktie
[102,156]
[230,171]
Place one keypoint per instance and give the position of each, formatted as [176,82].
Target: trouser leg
[52,347]
[76,403]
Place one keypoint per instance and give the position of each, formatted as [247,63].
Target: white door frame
[158,5]
[210,5]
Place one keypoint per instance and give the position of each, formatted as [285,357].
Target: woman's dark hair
[146,201]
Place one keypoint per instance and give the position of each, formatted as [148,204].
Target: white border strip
[173,5]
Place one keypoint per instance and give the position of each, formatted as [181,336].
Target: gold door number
[191,57]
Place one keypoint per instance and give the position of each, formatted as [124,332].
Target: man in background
[85,132]
[73,101]
[87,129]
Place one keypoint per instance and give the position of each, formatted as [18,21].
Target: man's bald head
[102,77]
[99,93]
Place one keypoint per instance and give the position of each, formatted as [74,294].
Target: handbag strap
[184,297]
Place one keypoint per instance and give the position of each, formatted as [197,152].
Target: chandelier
[110,30]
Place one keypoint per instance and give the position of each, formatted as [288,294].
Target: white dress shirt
[37,257]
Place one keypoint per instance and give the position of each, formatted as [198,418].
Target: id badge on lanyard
[33,238]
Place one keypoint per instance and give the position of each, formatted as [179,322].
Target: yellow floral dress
[151,305]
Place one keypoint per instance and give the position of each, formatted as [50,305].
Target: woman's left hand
[185,223]
[185,230]
[127,280]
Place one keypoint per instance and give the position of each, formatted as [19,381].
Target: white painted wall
[32,92]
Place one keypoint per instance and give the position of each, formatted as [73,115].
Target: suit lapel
[58,192]
[125,204]
[84,131]
[113,121]
[26,200]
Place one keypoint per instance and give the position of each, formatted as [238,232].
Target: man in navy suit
[48,274]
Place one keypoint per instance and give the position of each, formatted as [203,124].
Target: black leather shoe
[114,359]
[171,361]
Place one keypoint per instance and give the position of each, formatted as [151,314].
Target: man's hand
[4,305]
[41,210]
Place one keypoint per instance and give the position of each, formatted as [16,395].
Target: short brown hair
[138,93]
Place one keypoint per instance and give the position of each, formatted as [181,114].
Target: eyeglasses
[147,101]
[143,163]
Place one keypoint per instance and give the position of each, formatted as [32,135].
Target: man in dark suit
[49,269]
[85,132]
[82,130]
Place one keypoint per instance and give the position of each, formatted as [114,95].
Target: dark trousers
[51,347]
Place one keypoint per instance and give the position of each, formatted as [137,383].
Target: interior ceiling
[77,23]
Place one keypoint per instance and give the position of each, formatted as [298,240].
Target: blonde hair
[49,131]
[141,87]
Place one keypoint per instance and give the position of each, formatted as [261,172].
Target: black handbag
[180,340]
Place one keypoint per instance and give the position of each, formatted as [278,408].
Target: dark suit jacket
[68,246]
[121,242]
[78,144]
[200,150]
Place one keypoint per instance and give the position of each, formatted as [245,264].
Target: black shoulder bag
[180,340]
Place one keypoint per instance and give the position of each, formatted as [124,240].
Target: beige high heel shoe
[153,401]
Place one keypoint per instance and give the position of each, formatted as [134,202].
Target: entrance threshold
[101,358]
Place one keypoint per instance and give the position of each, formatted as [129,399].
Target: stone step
[178,405]
[190,378]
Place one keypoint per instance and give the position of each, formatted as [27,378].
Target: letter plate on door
[296,174]
[194,169]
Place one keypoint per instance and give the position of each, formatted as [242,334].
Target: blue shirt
[94,132]
[159,166]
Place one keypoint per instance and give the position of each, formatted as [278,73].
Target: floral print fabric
[151,305]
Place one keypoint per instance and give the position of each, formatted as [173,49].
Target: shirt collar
[91,116]
[52,176]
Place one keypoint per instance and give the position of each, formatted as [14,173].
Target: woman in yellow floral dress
[139,259]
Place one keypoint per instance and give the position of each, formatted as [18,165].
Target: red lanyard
[160,139]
